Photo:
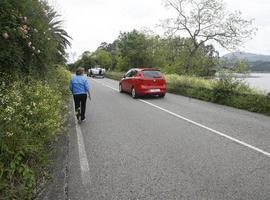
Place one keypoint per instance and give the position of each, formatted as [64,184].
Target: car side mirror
[124,76]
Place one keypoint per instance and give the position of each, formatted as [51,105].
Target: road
[171,148]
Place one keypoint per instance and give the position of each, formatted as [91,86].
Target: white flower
[29,44]
[38,51]
[5,35]
[23,30]
[9,134]
[33,47]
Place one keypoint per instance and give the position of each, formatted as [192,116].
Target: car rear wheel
[133,93]
[120,88]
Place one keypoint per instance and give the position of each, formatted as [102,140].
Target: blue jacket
[79,85]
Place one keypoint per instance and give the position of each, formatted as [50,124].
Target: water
[260,81]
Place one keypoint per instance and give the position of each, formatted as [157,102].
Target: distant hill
[251,57]
[257,62]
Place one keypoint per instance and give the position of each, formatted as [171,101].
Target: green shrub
[252,102]
[30,115]
[58,77]
[226,90]
[227,86]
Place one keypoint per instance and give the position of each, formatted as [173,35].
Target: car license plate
[154,90]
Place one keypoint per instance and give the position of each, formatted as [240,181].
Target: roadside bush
[30,115]
[226,90]
[227,85]
[236,93]
[252,102]
[58,77]
[31,95]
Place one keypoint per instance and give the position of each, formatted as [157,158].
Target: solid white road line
[85,171]
[200,125]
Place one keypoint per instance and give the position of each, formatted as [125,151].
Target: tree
[241,66]
[179,60]
[208,20]
[31,37]
[132,50]
[112,49]
[87,60]
[103,58]
[140,49]
[59,34]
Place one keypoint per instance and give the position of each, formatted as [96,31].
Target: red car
[143,81]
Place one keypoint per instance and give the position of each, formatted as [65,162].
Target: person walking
[80,88]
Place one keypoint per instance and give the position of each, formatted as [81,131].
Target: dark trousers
[80,102]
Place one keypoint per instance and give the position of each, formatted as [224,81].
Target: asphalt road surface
[171,148]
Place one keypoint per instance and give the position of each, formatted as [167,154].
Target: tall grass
[174,79]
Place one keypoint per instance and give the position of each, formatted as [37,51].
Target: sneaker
[83,120]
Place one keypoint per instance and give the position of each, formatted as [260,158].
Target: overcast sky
[90,22]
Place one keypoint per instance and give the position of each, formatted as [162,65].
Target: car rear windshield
[152,73]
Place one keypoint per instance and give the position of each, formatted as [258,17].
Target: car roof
[146,69]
